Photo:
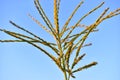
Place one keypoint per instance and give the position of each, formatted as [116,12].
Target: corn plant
[66,42]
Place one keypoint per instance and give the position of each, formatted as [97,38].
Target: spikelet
[56,22]
[67,55]
[21,28]
[35,20]
[76,60]
[69,19]
[94,9]
[45,18]
[104,12]
[34,41]
[85,67]
[79,25]
[18,34]
[58,5]
[89,44]
[112,14]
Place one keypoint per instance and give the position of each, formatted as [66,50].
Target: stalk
[65,76]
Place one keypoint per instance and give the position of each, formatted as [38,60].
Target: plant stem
[65,75]
[68,77]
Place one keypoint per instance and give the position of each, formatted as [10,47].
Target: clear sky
[21,61]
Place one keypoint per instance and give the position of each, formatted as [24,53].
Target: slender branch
[35,41]
[21,28]
[69,19]
[82,19]
[44,17]
[44,51]
[58,5]
[56,20]
[43,42]
[103,13]
[35,20]
[85,67]
[76,60]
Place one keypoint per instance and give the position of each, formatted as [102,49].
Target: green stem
[65,75]
[68,77]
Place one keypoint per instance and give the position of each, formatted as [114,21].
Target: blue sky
[21,61]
